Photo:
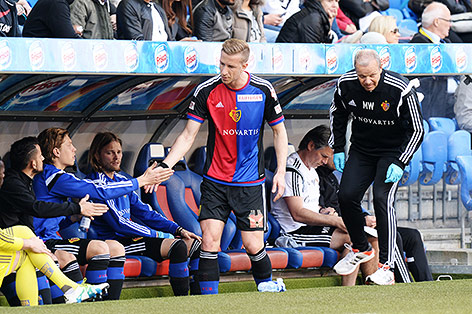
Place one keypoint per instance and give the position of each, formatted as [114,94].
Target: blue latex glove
[339,159]
[394,173]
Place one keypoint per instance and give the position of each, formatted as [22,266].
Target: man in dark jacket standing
[93,16]
[8,19]
[213,20]
[50,19]
[142,20]
[310,25]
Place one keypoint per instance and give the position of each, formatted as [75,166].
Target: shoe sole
[364,261]
[369,281]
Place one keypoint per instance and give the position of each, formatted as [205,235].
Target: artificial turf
[426,297]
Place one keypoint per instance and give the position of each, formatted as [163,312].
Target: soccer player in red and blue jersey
[236,104]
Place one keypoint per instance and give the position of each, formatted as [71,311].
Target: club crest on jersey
[256,219]
[385,105]
[235,115]
[73,240]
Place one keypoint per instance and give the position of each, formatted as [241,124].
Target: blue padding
[148,265]
[295,258]
[209,287]
[115,273]
[96,276]
[330,256]
[224,262]
[178,270]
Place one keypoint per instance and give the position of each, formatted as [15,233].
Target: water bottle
[272,286]
[84,224]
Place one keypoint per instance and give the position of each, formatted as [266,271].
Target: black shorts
[313,235]
[75,246]
[150,247]
[247,203]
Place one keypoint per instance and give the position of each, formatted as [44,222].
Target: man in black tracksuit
[387,129]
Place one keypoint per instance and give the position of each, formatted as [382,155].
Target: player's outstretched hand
[278,185]
[190,235]
[91,209]
[339,160]
[35,245]
[394,173]
[153,176]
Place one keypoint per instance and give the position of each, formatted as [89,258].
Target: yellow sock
[26,284]
[47,266]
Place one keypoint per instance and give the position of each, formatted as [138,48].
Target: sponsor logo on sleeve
[278,109]
[192,105]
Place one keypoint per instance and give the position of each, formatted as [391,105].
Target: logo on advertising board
[190,59]
[131,57]
[436,59]
[5,55]
[410,59]
[100,57]
[44,87]
[161,57]
[385,57]
[68,56]
[36,55]
[331,59]
[251,62]
[304,59]
[277,58]
[461,60]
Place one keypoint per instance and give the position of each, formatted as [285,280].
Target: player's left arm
[281,148]
[412,120]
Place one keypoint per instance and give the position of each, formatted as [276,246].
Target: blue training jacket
[55,185]
[117,222]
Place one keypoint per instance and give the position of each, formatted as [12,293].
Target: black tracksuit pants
[359,173]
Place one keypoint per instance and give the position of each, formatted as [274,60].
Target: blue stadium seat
[465,167]
[408,14]
[445,125]
[270,158]
[458,144]
[197,160]
[396,4]
[434,149]
[426,127]
[408,27]
[396,13]
[148,265]
[413,169]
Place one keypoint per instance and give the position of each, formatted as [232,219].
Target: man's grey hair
[365,56]
[432,12]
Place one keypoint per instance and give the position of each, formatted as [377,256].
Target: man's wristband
[178,232]
[163,165]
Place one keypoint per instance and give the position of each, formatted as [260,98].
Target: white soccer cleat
[85,292]
[383,276]
[349,263]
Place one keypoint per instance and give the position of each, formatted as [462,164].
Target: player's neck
[240,82]
[110,174]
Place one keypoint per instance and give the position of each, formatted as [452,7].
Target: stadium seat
[148,265]
[237,260]
[396,13]
[426,127]
[408,27]
[197,160]
[445,125]
[396,4]
[413,169]
[132,267]
[409,14]
[270,159]
[458,144]
[434,149]
[465,167]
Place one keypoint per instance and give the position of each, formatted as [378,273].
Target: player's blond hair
[234,46]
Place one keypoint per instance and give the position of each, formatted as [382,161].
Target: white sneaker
[383,276]
[349,263]
[84,292]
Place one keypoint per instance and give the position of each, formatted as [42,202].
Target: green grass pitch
[427,297]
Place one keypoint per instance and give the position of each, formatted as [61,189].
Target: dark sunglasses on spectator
[395,30]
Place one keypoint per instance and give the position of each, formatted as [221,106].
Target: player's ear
[56,152]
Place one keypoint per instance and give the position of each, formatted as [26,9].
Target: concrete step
[450,257]
[444,238]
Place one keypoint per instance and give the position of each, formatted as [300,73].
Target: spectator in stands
[247,21]
[358,9]
[344,23]
[142,238]
[463,104]
[23,252]
[8,19]
[213,20]
[50,19]
[142,20]
[387,26]
[176,12]
[2,172]
[234,172]
[104,259]
[436,22]
[18,205]
[91,19]
[276,12]
[305,212]
[312,24]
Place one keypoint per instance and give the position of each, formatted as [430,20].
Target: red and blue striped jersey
[235,124]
